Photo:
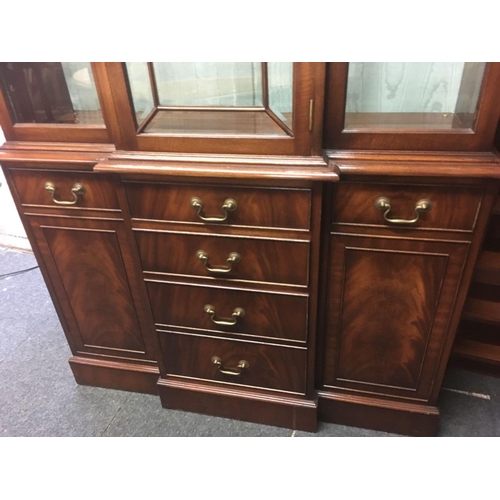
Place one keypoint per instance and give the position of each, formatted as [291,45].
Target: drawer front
[264,314]
[261,260]
[98,191]
[259,207]
[451,207]
[268,366]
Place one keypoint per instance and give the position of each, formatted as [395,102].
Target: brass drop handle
[237,313]
[229,205]
[242,365]
[76,190]
[233,258]
[384,204]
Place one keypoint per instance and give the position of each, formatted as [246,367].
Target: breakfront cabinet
[272,242]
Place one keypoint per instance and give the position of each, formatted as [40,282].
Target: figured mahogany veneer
[388,316]
[261,258]
[100,193]
[268,315]
[92,273]
[258,207]
[453,208]
[349,317]
[269,366]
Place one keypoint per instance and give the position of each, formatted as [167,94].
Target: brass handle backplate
[237,313]
[229,205]
[233,258]
[384,204]
[76,190]
[242,365]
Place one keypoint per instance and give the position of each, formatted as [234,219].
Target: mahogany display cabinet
[274,242]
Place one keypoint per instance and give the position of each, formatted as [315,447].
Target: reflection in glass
[48,92]
[412,95]
[228,98]
[280,78]
[209,84]
[140,89]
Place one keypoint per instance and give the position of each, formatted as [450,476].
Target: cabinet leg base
[269,409]
[382,415]
[115,375]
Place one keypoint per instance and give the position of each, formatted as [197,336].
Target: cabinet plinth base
[269,409]
[115,375]
[382,415]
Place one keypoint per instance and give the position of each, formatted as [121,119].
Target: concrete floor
[39,397]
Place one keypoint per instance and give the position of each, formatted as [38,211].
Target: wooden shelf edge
[477,351]
[228,168]
[487,268]
[483,311]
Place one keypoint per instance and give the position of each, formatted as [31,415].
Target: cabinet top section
[253,108]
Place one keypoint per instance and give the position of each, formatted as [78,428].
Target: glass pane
[226,98]
[209,84]
[413,95]
[48,92]
[280,81]
[140,87]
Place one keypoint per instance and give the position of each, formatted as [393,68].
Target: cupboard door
[389,305]
[433,106]
[53,102]
[219,107]
[92,273]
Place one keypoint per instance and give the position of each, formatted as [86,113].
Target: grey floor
[39,397]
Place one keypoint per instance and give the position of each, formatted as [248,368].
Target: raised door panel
[388,311]
[88,270]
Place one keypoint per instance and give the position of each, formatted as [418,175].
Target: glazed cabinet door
[387,313]
[54,102]
[91,271]
[219,107]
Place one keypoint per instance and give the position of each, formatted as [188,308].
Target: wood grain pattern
[388,316]
[262,407]
[89,268]
[213,123]
[261,259]
[121,376]
[267,315]
[270,367]
[453,207]
[411,419]
[256,207]
[101,303]
[100,191]
[257,170]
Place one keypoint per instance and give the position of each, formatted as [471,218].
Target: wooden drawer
[269,366]
[258,207]
[452,207]
[270,315]
[99,191]
[262,260]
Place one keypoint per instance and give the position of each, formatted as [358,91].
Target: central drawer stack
[229,271]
